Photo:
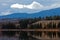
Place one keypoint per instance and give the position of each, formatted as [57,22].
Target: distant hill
[50,12]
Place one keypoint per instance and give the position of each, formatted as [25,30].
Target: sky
[6,6]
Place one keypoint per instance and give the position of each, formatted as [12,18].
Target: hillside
[45,13]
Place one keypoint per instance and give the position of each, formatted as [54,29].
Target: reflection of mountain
[32,15]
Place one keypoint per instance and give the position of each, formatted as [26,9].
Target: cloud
[19,6]
[34,5]
[5,13]
[55,5]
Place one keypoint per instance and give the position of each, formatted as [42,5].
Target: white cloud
[19,6]
[34,5]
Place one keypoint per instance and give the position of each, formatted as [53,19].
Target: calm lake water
[8,38]
[15,38]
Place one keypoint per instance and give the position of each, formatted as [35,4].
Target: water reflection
[8,38]
[22,36]
[29,35]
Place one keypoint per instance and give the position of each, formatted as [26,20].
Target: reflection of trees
[31,33]
[50,34]
[8,26]
[54,34]
[58,34]
[23,35]
[36,33]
